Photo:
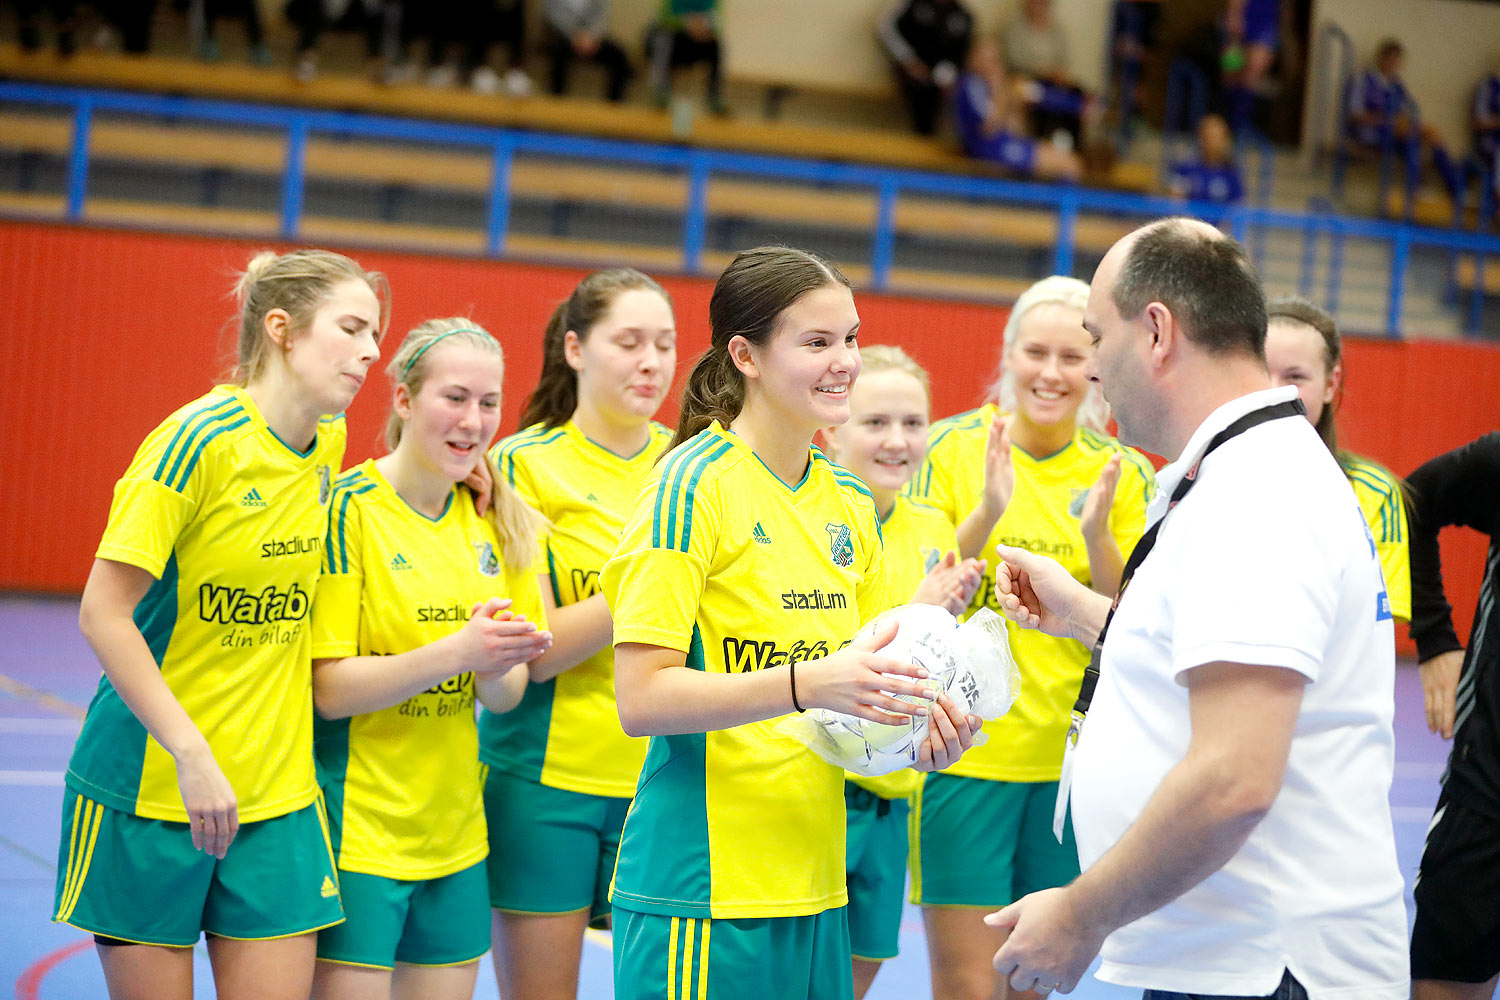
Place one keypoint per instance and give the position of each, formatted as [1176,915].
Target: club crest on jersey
[930,559]
[489,563]
[1080,496]
[325,485]
[840,545]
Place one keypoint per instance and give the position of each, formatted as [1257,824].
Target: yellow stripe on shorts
[71,872]
[93,815]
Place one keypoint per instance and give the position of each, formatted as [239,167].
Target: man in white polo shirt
[1229,789]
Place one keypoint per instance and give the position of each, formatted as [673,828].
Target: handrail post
[695,222]
[78,159]
[883,249]
[1309,255]
[1400,253]
[1335,261]
[293,180]
[1475,318]
[499,219]
[1067,220]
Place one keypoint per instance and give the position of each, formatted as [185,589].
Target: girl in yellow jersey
[1035,471]
[1303,349]
[561,769]
[883,444]
[192,804]
[424,605]
[745,567]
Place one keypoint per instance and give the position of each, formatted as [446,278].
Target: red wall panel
[103,332]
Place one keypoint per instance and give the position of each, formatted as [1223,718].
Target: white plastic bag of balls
[971,662]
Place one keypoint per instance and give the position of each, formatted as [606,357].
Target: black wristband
[792,669]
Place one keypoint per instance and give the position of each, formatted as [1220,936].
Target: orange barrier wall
[103,332]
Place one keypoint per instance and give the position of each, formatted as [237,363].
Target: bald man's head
[1203,278]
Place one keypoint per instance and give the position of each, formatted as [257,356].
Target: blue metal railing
[699,165]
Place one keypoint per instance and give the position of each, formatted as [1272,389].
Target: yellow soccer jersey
[726,563]
[1380,500]
[916,537]
[1027,743]
[230,521]
[566,732]
[404,785]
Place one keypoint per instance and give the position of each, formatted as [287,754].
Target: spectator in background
[1485,121]
[991,121]
[1381,110]
[1132,39]
[203,13]
[686,33]
[928,43]
[471,27]
[1251,32]
[1036,50]
[64,16]
[1212,175]
[578,30]
[380,23]
[1455,943]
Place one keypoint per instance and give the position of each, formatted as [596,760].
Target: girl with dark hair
[743,572]
[1303,349]
[562,771]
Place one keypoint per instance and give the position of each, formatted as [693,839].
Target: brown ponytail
[555,397]
[748,300]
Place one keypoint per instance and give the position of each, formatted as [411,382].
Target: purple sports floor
[47,676]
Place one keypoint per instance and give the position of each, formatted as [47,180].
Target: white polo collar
[1170,475]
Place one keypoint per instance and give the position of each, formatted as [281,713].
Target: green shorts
[140,880]
[436,921]
[976,842]
[779,958]
[551,851]
[876,859]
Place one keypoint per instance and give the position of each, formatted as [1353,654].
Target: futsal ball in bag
[926,636]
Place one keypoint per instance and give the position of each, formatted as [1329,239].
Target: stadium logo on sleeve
[840,545]
[325,487]
[489,563]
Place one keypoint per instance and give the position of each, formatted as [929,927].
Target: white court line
[48,779]
[28,726]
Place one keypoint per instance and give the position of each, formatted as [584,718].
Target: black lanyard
[1290,408]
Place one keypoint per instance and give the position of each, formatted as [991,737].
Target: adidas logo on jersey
[253,499]
[760,536]
[591,498]
[400,562]
[328,890]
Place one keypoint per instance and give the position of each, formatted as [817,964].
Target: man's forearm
[1193,824]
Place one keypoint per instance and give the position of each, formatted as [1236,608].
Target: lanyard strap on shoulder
[1290,408]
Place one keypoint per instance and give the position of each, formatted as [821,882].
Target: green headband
[427,346]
